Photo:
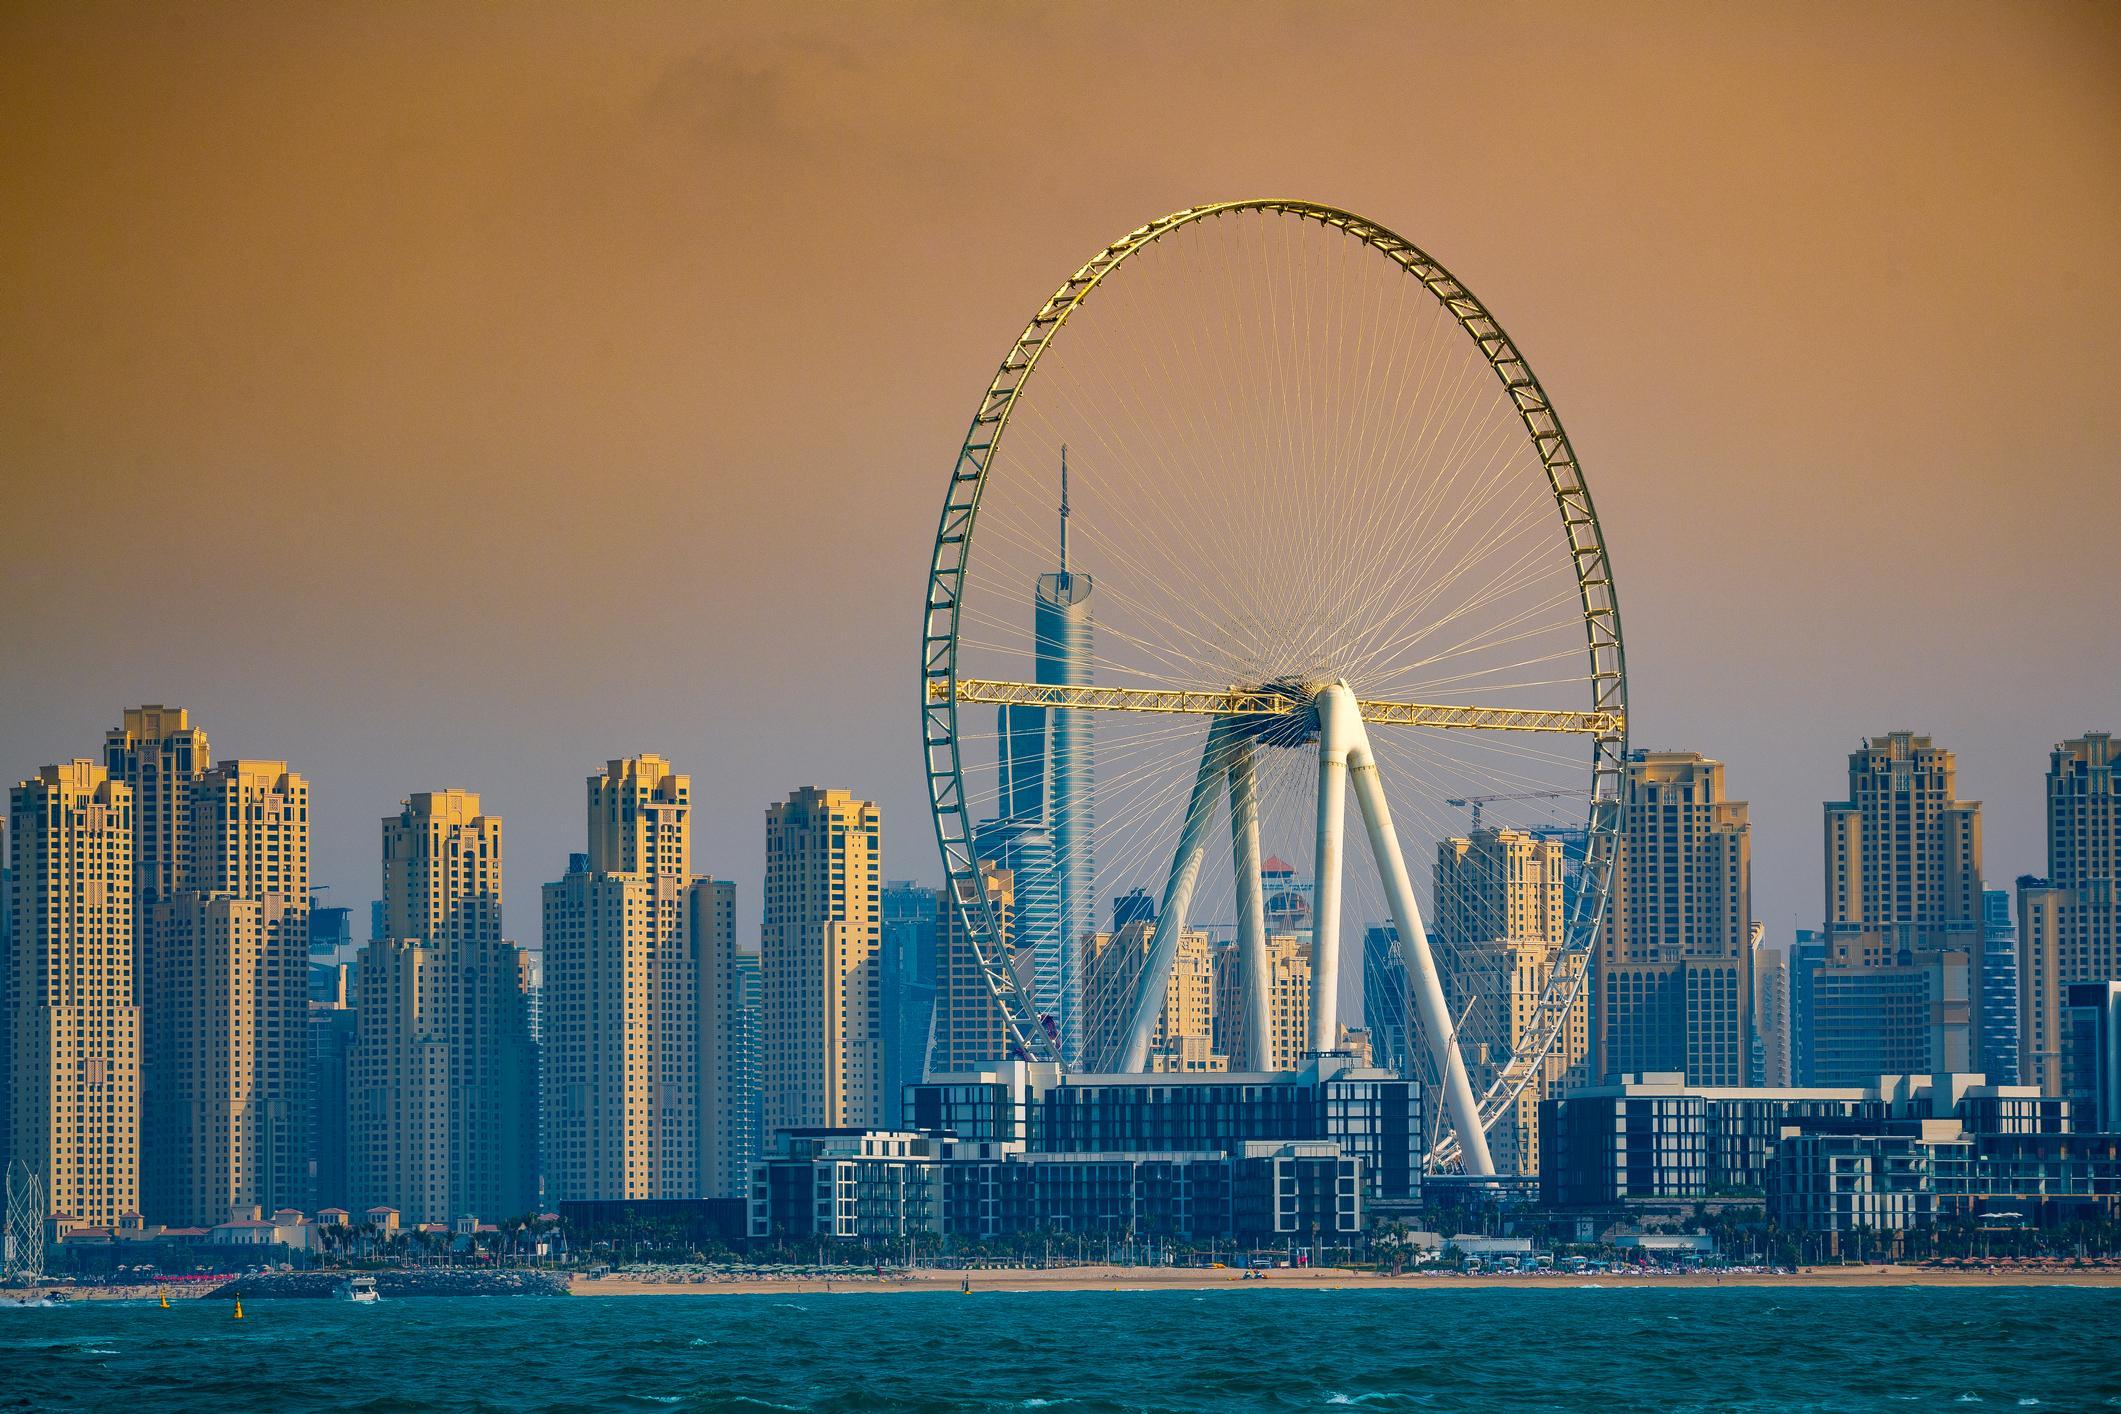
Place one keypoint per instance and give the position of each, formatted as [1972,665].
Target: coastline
[1115,1278]
[937,1279]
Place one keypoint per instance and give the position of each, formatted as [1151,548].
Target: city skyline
[1207,662]
[1883,525]
[359,905]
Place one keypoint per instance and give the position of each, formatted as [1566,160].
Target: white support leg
[1422,980]
[1339,726]
[1258,1029]
[1178,898]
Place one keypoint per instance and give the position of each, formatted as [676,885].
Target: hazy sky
[463,394]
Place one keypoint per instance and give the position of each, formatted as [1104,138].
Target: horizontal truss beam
[994,693]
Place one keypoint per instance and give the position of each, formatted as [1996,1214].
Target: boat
[360,1290]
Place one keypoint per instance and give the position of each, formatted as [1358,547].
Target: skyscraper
[1800,967]
[969,1029]
[1674,978]
[1288,1004]
[1903,856]
[159,755]
[1501,915]
[1998,1058]
[1024,847]
[1289,899]
[1903,917]
[625,1054]
[2091,1055]
[728,1040]
[1184,1038]
[331,936]
[7,940]
[746,1101]
[224,969]
[1387,1006]
[221,925]
[1872,1019]
[1047,778]
[219,1125]
[443,1113]
[640,819]
[1133,906]
[332,1025]
[818,943]
[73,1029]
[908,969]
[1771,1014]
[2069,923]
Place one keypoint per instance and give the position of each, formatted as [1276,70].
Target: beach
[1102,1278]
[1121,1278]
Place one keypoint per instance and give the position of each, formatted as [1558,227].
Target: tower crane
[1474,802]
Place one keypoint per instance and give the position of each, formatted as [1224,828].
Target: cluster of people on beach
[713,1273]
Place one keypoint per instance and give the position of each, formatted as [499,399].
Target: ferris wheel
[1263,509]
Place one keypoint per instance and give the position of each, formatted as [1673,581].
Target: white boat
[360,1290]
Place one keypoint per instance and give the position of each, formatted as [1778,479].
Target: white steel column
[1178,898]
[1339,727]
[1256,985]
[1422,980]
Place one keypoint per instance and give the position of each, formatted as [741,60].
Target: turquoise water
[1606,1349]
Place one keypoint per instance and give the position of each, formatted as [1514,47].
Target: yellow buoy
[239,1308]
[165,1299]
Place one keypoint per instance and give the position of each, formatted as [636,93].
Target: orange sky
[449,394]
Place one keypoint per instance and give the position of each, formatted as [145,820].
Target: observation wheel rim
[949,558]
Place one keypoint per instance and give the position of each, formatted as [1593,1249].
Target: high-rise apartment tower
[820,935]
[1674,979]
[225,1076]
[2069,923]
[72,1066]
[443,1107]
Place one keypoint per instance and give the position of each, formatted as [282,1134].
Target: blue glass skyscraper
[1807,955]
[906,994]
[1998,1057]
[1047,780]
[1384,998]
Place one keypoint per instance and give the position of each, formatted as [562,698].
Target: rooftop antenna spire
[1064,508]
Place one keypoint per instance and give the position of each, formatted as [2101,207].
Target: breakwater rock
[392,1285]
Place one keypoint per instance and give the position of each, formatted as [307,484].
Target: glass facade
[906,999]
[2091,1054]
[1656,1138]
[1374,1117]
[884,1186]
[1999,989]
[1840,1183]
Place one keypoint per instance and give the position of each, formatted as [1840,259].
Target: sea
[1601,1349]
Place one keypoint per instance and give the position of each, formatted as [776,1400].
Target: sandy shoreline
[1321,1279]
[1099,1278]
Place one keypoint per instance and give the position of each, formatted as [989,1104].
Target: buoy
[165,1299]
[239,1308]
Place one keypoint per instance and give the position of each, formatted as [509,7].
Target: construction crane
[1474,802]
